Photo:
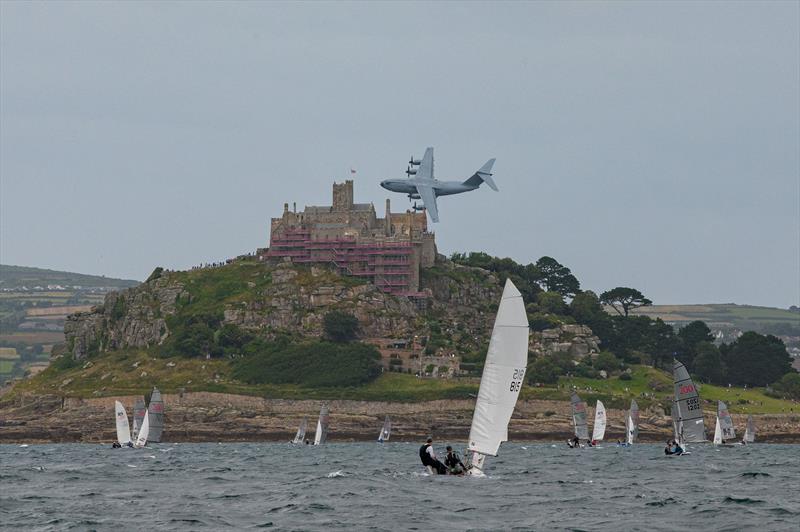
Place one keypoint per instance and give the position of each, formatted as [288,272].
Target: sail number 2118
[516,380]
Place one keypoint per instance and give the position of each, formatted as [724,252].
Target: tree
[551,303]
[606,361]
[340,326]
[789,385]
[708,365]
[624,298]
[543,370]
[756,360]
[691,336]
[555,277]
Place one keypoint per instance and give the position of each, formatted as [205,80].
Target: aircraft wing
[428,197]
[425,169]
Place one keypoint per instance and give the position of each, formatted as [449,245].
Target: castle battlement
[388,251]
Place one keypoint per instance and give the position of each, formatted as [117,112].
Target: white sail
[386,430]
[630,430]
[717,433]
[750,431]
[123,429]
[633,414]
[579,417]
[138,415]
[725,421]
[321,434]
[156,413]
[301,432]
[599,428]
[144,432]
[689,422]
[501,382]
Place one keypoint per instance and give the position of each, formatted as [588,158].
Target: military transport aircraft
[421,184]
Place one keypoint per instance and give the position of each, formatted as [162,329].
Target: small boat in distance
[501,382]
[123,428]
[386,430]
[750,431]
[321,434]
[599,428]
[139,409]
[632,423]
[144,432]
[155,412]
[301,432]
[579,419]
[724,428]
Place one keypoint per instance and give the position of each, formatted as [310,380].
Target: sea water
[372,486]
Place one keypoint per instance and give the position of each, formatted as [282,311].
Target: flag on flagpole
[352,171]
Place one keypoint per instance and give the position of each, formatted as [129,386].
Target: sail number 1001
[516,380]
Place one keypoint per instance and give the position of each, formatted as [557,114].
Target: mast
[156,415]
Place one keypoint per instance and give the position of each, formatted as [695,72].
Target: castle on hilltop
[389,252]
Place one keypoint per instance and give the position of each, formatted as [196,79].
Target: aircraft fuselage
[440,188]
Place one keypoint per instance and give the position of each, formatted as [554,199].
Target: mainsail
[301,432]
[633,418]
[717,433]
[503,375]
[144,432]
[138,415]
[579,417]
[687,413]
[725,421]
[321,433]
[123,429]
[386,430]
[156,414]
[599,428]
[750,431]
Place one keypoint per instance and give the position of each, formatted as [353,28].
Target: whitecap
[131,465]
[335,474]
[24,445]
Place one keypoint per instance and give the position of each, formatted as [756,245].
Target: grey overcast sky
[645,144]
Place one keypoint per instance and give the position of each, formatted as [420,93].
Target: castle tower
[343,196]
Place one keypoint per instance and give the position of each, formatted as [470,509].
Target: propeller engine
[416,208]
[414,162]
[410,171]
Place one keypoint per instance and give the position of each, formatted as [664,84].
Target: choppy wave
[540,486]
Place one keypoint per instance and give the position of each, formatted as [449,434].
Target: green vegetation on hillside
[18,276]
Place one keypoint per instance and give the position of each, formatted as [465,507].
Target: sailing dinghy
[301,432]
[632,423]
[579,418]
[750,431]
[502,379]
[724,427]
[687,414]
[156,414]
[138,415]
[386,430]
[599,428]
[144,432]
[321,434]
[123,429]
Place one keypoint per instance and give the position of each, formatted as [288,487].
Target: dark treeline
[554,297]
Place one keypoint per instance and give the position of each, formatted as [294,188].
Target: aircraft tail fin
[484,175]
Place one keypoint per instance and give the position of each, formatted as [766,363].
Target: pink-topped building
[389,252]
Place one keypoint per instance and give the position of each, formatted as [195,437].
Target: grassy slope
[726,313]
[121,378]
[11,276]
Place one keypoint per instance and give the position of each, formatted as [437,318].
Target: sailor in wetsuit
[116,445]
[453,462]
[428,457]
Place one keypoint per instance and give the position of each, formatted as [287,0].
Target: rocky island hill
[360,310]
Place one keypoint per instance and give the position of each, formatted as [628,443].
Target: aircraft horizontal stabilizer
[484,175]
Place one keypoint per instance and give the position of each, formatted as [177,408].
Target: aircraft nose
[384,183]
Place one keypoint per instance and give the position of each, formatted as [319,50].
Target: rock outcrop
[577,340]
[271,298]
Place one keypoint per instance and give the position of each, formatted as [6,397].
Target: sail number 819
[516,380]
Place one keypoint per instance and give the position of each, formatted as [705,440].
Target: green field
[6,366]
[744,317]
